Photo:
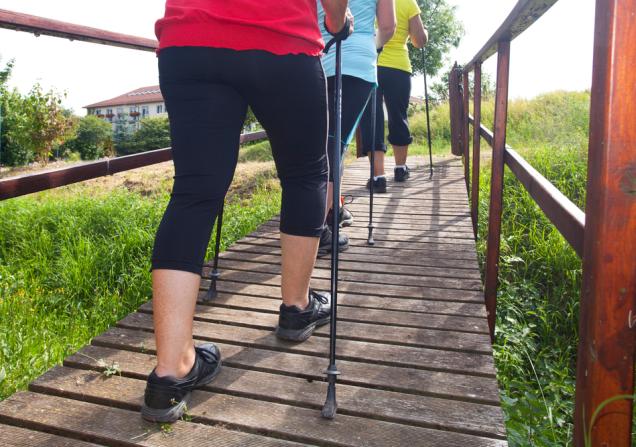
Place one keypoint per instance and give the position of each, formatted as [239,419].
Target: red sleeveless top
[276,26]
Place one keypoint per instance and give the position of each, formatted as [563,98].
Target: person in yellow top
[394,87]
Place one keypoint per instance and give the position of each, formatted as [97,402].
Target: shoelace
[318,297]
[207,355]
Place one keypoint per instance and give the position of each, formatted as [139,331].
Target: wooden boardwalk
[414,350]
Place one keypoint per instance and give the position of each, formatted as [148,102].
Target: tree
[41,123]
[5,73]
[153,133]
[439,90]
[93,140]
[444,31]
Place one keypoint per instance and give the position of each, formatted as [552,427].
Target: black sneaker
[401,174]
[324,247]
[379,184]
[298,325]
[166,398]
[346,218]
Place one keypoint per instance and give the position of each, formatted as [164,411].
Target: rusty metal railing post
[605,363]
[466,129]
[455,103]
[474,190]
[496,182]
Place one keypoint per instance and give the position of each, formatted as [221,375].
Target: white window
[160,108]
[145,111]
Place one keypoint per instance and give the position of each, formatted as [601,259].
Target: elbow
[387,30]
[418,43]
[420,40]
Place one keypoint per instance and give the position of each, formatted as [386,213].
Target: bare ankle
[178,369]
[299,303]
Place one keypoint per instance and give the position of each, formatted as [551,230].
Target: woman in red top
[216,58]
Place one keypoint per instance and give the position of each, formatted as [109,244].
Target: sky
[554,54]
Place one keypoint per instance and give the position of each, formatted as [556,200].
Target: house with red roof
[130,107]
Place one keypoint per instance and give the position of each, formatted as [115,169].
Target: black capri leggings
[355,94]
[395,89]
[207,91]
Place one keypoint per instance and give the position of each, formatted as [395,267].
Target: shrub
[93,139]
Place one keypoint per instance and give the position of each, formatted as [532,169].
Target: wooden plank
[397,233]
[358,247]
[249,278]
[275,419]
[412,357]
[368,267]
[418,246]
[22,437]
[406,336]
[353,400]
[400,379]
[364,277]
[353,255]
[393,311]
[116,426]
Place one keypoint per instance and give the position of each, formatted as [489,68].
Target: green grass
[72,264]
[538,300]
[540,274]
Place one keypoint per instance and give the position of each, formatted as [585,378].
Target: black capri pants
[394,88]
[207,92]
[355,95]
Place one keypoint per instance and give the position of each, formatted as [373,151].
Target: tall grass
[72,265]
[538,302]
[540,274]
[554,120]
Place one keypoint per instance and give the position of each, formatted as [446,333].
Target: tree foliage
[439,90]
[49,124]
[32,124]
[93,139]
[153,133]
[5,73]
[445,32]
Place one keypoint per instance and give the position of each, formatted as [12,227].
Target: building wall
[146,110]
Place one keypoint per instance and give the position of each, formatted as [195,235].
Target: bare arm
[335,11]
[386,21]
[417,32]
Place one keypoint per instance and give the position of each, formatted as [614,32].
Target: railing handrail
[568,218]
[522,16]
[41,181]
[56,28]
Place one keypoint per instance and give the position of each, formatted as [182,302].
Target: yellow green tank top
[395,54]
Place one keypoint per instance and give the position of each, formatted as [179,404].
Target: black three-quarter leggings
[207,91]
[395,90]
[355,95]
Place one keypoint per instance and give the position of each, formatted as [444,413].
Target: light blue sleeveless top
[359,57]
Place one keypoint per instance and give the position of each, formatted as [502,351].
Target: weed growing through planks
[166,428]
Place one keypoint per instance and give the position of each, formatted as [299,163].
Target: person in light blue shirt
[359,70]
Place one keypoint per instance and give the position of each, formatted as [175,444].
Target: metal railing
[30,183]
[605,237]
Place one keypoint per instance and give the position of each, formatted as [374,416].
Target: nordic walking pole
[374,100]
[215,270]
[428,117]
[331,407]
